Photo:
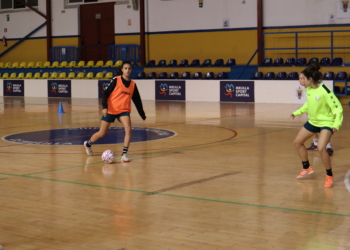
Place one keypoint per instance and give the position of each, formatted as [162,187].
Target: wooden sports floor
[226,180]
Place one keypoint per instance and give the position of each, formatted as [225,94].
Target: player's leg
[329,148]
[101,133]
[126,121]
[313,144]
[325,136]
[299,141]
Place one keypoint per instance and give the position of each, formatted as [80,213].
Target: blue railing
[66,53]
[124,52]
[296,40]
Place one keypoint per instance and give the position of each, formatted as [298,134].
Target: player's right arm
[106,94]
[302,110]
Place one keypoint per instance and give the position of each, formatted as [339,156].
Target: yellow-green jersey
[323,107]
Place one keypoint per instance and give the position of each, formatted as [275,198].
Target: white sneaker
[88,149]
[125,158]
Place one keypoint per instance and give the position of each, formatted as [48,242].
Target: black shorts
[308,126]
[111,118]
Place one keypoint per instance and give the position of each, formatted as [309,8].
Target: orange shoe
[329,181]
[305,172]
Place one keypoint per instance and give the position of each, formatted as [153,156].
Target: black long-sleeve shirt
[136,98]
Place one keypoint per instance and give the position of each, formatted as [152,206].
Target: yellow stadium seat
[45,65]
[72,64]
[80,64]
[54,65]
[90,64]
[80,75]
[1,64]
[71,75]
[63,75]
[29,75]
[5,76]
[38,65]
[15,65]
[99,75]
[45,75]
[20,76]
[99,64]
[36,76]
[109,64]
[89,75]
[13,76]
[22,65]
[53,75]
[109,75]
[63,64]
[118,63]
[7,65]
[30,65]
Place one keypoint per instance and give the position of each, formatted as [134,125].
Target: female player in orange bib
[325,117]
[116,104]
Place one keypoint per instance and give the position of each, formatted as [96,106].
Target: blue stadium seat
[290,61]
[329,76]
[325,61]
[174,75]
[346,91]
[195,63]
[219,62]
[293,76]
[161,63]
[186,75]
[206,63]
[258,76]
[172,63]
[278,62]
[230,62]
[209,75]
[151,63]
[267,62]
[341,76]
[301,61]
[269,76]
[221,75]
[336,90]
[281,76]
[183,63]
[163,75]
[141,75]
[152,75]
[338,61]
[313,60]
[197,75]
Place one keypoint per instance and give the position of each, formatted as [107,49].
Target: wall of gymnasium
[306,16]
[179,29]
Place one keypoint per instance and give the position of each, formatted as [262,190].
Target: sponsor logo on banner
[13,87]
[102,87]
[237,91]
[59,88]
[170,90]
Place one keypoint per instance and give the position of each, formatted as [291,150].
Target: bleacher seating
[151,63]
[183,63]
[174,75]
[267,62]
[337,61]
[152,75]
[20,76]
[293,76]
[63,75]
[161,63]
[109,75]
[221,75]
[278,62]
[230,62]
[197,75]
[172,63]
[89,75]
[325,61]
[195,63]
[99,75]
[290,61]
[341,76]
[206,63]
[281,76]
[258,76]
[313,60]
[163,75]
[186,75]
[71,75]
[329,75]
[80,75]
[219,63]
[269,76]
[141,75]
[301,61]
[209,75]
[29,75]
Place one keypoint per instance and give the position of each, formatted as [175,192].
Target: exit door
[96,31]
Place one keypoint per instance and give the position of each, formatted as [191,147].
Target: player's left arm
[336,108]
[136,98]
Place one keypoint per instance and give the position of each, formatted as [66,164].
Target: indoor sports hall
[213,164]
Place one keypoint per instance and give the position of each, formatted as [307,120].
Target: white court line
[346,180]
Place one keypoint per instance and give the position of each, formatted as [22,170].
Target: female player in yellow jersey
[116,104]
[325,117]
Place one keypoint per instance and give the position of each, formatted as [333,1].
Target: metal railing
[124,52]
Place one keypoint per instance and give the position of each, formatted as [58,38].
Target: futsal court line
[3,179]
[187,184]
[157,152]
[185,197]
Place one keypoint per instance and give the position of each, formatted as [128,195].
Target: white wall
[178,15]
